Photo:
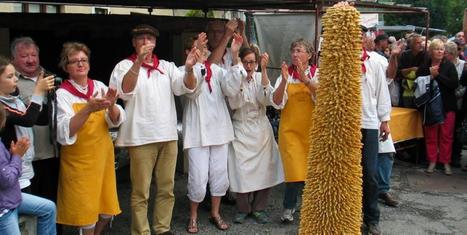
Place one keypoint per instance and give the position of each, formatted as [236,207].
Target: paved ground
[430,204]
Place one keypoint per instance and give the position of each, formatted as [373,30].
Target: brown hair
[71,48]
[188,43]
[3,63]
[249,50]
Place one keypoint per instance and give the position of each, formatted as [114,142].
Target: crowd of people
[227,137]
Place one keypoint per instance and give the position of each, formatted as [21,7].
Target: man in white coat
[148,85]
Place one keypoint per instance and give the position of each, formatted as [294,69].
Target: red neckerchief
[154,66]
[294,73]
[70,88]
[364,57]
[208,75]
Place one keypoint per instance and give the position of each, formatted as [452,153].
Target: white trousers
[207,164]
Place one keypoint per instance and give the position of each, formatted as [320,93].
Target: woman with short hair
[295,94]
[87,191]
[254,162]
[439,137]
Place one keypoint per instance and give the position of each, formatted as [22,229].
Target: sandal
[219,223]
[192,226]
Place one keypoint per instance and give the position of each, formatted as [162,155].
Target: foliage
[444,14]
[199,13]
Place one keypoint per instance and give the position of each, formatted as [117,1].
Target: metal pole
[427,33]
[317,32]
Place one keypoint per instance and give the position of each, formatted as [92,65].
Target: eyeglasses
[249,62]
[76,62]
[460,48]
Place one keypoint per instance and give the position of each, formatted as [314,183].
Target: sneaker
[388,200]
[374,229]
[431,168]
[261,217]
[447,169]
[240,218]
[287,215]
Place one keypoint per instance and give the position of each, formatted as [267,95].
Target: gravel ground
[435,204]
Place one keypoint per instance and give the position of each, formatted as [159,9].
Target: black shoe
[167,233]
[388,200]
[374,229]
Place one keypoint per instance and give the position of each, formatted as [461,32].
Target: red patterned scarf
[154,66]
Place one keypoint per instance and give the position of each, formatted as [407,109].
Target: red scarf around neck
[295,75]
[364,57]
[208,75]
[70,88]
[154,66]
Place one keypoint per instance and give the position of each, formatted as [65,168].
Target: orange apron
[87,184]
[294,132]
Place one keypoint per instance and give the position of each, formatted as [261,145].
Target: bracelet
[133,72]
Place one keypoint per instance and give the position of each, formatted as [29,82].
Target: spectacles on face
[459,48]
[251,62]
[76,62]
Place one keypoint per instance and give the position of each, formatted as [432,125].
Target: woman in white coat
[254,162]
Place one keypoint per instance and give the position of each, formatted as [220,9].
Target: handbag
[422,90]
[433,111]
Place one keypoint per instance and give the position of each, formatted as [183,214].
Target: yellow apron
[87,184]
[294,126]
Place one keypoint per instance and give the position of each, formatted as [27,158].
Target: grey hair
[27,41]
[451,48]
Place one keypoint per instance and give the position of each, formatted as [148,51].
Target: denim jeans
[385,161]
[291,193]
[370,183]
[42,208]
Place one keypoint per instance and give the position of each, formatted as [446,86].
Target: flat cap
[144,29]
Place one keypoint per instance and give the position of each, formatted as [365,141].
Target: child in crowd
[12,200]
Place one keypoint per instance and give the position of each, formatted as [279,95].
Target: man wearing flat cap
[147,86]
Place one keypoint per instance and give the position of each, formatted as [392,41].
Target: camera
[57,80]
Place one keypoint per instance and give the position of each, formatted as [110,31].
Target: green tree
[444,14]
[199,13]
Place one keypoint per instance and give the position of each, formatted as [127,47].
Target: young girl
[20,118]
[12,201]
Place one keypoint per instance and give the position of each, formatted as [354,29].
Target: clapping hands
[20,147]
[264,60]
[108,100]
[236,43]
